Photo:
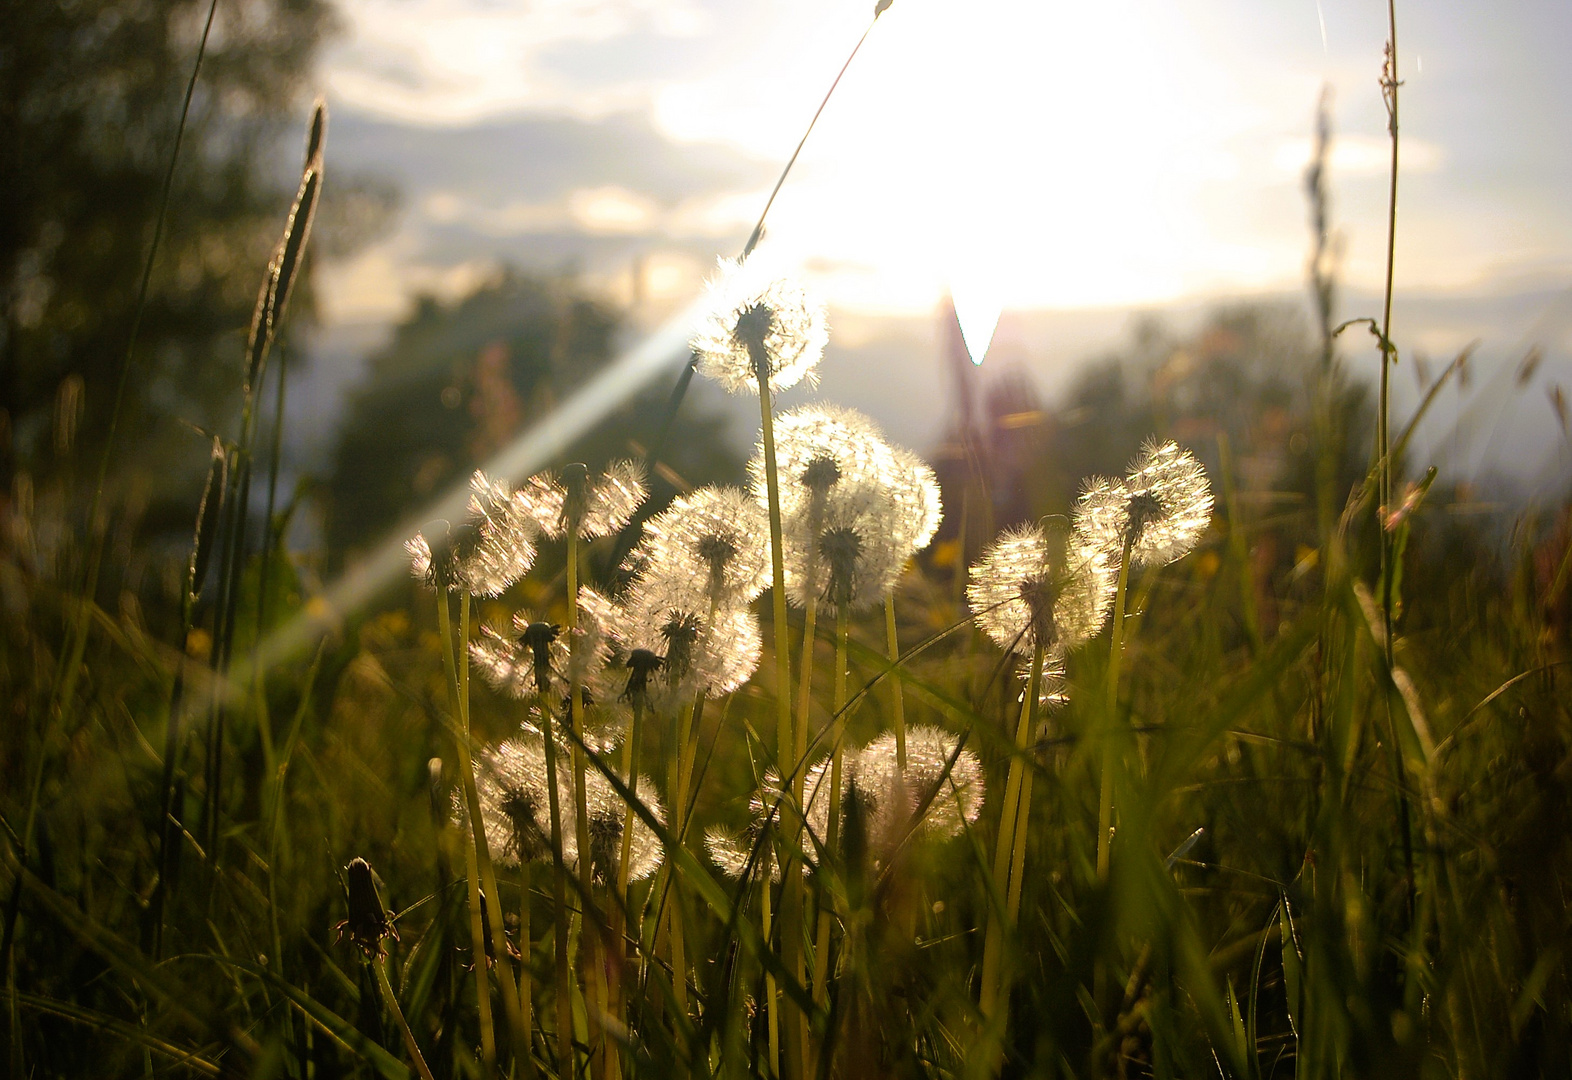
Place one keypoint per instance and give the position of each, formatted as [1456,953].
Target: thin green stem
[525,1058]
[594,937]
[897,698]
[792,896]
[1011,821]
[488,1043]
[1105,805]
[562,924]
[822,961]
[391,1001]
[674,910]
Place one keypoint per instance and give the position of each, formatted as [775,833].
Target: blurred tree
[90,96]
[459,380]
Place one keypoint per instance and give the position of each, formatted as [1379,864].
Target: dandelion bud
[368,924]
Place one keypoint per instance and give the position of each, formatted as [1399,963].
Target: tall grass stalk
[1390,82]
[69,669]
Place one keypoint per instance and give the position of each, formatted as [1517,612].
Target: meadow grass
[1306,823]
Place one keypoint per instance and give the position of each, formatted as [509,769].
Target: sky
[1043,155]
[1074,165]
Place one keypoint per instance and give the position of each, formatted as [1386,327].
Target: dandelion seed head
[1023,592]
[713,539]
[852,508]
[570,500]
[924,509]
[483,555]
[703,648]
[755,320]
[514,796]
[891,796]
[1170,503]
[731,852]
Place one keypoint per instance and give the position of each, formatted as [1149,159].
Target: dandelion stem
[674,908]
[491,895]
[391,1000]
[525,1056]
[488,1043]
[897,698]
[626,855]
[1013,820]
[559,898]
[772,1000]
[832,832]
[1105,806]
[791,887]
[594,972]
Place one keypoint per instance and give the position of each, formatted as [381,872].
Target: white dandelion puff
[700,649]
[853,509]
[1160,509]
[1024,593]
[944,783]
[715,540]
[570,501]
[754,320]
[484,554]
[920,491]
[510,780]
[770,807]
[1170,503]
[538,659]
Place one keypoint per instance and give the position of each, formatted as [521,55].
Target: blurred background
[518,192]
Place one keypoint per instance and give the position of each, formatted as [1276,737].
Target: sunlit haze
[1038,154]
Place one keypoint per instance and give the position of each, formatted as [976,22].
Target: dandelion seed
[569,501]
[1051,690]
[755,321]
[715,539]
[1160,509]
[484,555]
[1025,592]
[510,781]
[890,797]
